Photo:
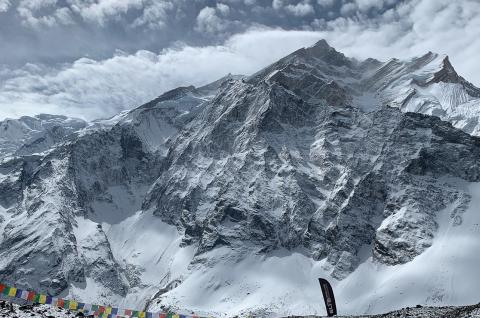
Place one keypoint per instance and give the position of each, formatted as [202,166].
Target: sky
[94,58]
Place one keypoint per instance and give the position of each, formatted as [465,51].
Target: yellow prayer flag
[12,292]
[108,310]
[42,299]
[72,305]
[176,316]
[141,314]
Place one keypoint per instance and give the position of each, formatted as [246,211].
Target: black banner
[328,297]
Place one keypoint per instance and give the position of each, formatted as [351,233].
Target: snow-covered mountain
[28,135]
[234,197]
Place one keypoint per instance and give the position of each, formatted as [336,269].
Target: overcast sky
[94,58]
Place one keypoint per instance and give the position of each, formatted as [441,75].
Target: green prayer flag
[6,290]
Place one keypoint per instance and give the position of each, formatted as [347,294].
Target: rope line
[88,309]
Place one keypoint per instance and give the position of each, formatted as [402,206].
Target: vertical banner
[328,297]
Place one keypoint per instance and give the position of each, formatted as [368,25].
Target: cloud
[348,8]
[209,19]
[104,10]
[43,13]
[91,89]
[4,5]
[98,87]
[50,31]
[366,5]
[326,3]
[300,9]
[102,14]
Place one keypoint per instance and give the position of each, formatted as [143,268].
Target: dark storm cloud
[94,58]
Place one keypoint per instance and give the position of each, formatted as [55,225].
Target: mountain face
[235,197]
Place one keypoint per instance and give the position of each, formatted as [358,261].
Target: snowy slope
[28,135]
[428,85]
[235,197]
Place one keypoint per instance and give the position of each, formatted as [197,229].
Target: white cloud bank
[92,89]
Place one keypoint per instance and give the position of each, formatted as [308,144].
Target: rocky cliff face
[317,165]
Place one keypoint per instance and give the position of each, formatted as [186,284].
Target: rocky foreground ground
[428,312]
[9,310]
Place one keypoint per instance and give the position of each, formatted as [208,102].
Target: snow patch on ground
[154,249]
[146,249]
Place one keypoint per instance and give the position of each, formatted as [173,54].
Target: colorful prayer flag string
[89,309]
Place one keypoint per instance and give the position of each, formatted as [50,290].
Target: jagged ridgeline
[235,197]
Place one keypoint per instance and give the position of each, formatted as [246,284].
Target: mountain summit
[235,197]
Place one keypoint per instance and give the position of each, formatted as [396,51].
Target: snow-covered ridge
[428,84]
[235,197]
[35,134]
